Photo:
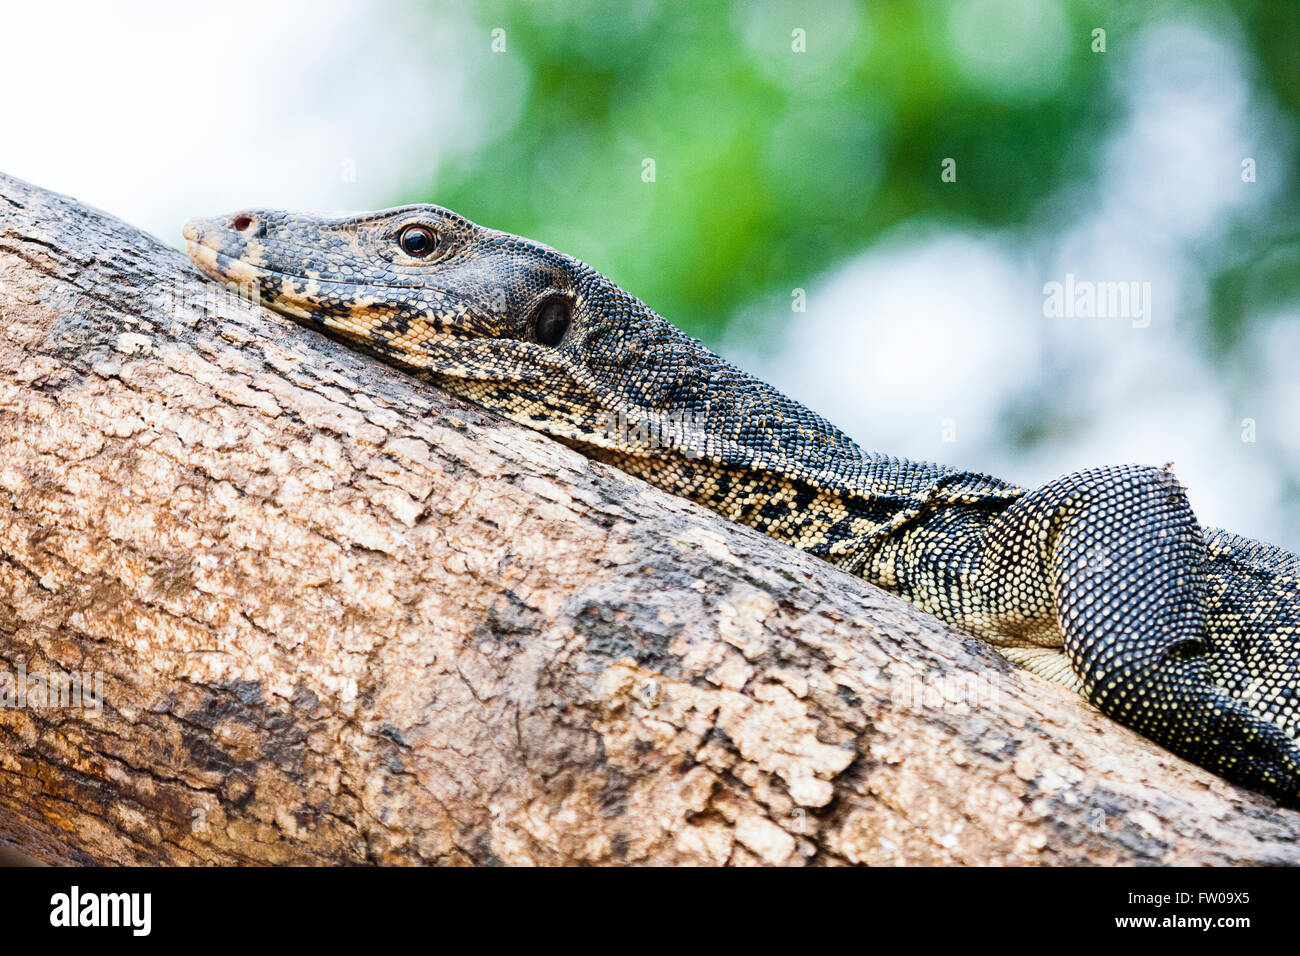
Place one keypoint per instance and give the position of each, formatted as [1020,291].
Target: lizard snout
[226,247]
[248,225]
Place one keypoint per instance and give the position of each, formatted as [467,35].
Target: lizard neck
[759,458]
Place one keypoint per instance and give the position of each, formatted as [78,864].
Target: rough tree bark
[342,617]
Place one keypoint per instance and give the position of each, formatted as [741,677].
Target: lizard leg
[1124,560]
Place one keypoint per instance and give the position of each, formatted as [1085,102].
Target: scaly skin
[1101,580]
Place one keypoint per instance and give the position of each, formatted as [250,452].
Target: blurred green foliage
[772,164]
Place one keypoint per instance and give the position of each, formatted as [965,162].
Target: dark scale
[1102,580]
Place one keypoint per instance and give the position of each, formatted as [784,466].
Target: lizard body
[1101,580]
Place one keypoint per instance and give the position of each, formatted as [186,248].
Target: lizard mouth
[224,255]
[281,292]
[361,313]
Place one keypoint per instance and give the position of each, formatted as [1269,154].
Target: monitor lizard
[1101,580]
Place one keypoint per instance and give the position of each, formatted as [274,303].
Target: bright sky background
[157,112]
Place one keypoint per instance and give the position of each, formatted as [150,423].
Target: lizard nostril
[242,222]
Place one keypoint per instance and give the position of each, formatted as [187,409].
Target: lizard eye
[552,321]
[418,242]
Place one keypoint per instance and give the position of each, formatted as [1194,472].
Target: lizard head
[513,325]
[420,285]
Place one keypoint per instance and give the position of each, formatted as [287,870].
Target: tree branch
[338,616]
